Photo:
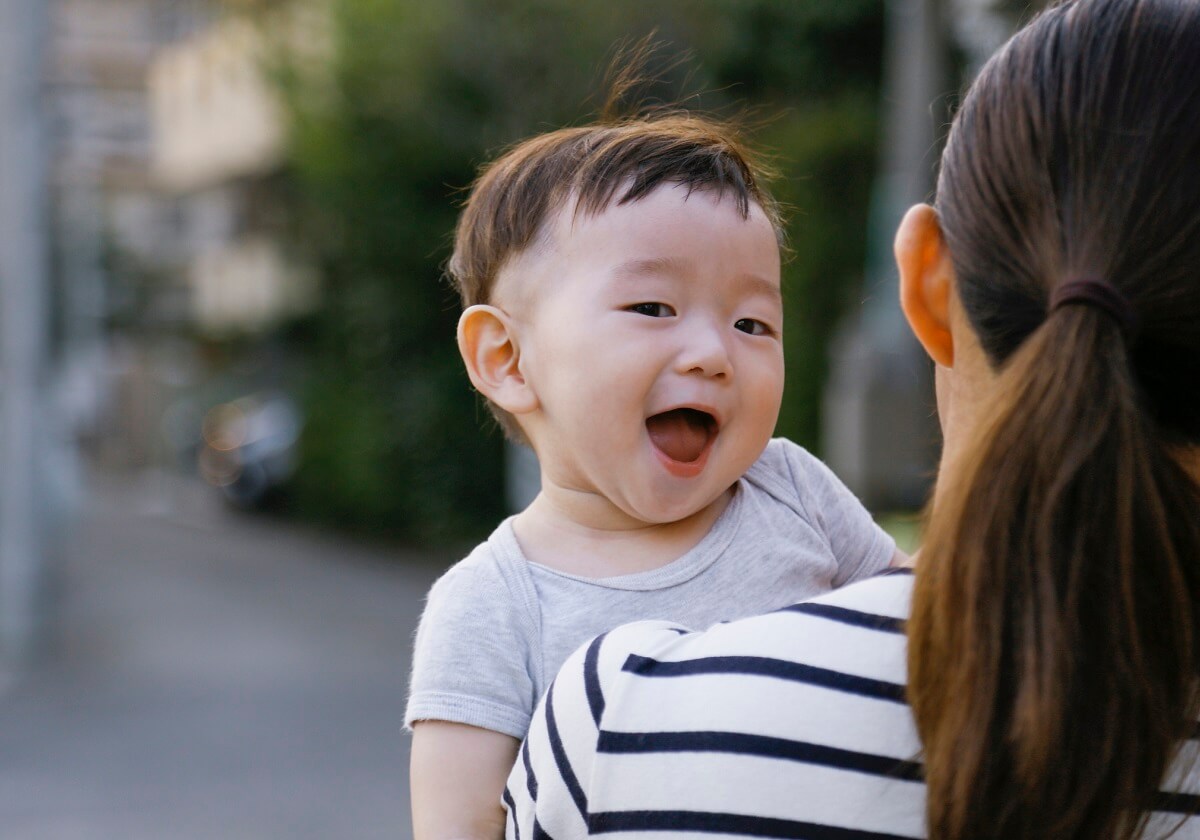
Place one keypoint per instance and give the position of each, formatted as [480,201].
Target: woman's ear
[488,343]
[926,281]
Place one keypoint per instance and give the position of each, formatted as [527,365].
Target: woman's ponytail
[1054,648]
[1054,639]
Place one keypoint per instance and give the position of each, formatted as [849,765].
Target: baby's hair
[620,158]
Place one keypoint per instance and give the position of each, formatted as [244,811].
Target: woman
[1037,676]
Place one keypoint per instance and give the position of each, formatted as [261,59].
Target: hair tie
[1102,295]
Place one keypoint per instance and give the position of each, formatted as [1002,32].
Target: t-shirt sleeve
[859,545]
[471,658]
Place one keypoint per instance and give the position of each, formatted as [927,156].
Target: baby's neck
[607,543]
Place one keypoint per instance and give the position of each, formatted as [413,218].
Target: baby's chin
[656,512]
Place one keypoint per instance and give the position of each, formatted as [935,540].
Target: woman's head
[1076,155]
[1056,630]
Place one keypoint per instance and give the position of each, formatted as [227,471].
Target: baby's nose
[706,352]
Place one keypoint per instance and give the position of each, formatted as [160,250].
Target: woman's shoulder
[851,623]
[809,697]
[855,631]
[881,602]
[847,646]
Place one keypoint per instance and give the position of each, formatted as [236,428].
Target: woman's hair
[1055,636]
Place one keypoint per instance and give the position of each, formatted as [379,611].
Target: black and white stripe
[705,822]
[765,746]
[764,666]
[787,725]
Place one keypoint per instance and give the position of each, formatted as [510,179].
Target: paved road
[213,676]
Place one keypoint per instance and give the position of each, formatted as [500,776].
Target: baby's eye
[751,326]
[654,310]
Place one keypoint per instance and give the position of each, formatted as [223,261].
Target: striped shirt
[789,724]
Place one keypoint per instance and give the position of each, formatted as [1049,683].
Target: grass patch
[905,528]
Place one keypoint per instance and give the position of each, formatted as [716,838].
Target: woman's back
[651,731]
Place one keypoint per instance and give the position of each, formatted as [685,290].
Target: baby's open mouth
[682,434]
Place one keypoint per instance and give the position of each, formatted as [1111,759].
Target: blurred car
[248,447]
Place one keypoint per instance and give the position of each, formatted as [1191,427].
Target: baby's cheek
[767,389]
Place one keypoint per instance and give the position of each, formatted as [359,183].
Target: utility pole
[23,325]
[880,434]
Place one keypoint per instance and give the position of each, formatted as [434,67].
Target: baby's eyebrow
[651,265]
[760,285]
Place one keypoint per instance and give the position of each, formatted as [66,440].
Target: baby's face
[651,335]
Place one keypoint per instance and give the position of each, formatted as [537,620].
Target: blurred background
[236,442]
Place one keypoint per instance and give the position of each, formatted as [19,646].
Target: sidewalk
[213,676]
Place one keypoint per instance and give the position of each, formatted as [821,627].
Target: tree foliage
[417,96]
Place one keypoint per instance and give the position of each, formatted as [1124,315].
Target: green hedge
[418,95]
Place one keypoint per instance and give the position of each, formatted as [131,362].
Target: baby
[624,318]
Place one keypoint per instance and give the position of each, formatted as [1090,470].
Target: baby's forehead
[575,233]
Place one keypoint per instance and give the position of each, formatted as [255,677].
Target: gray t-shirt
[497,627]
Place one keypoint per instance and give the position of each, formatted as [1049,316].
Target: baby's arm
[470,700]
[457,777]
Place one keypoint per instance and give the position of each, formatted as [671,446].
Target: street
[213,675]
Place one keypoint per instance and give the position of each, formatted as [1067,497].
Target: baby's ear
[491,351]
